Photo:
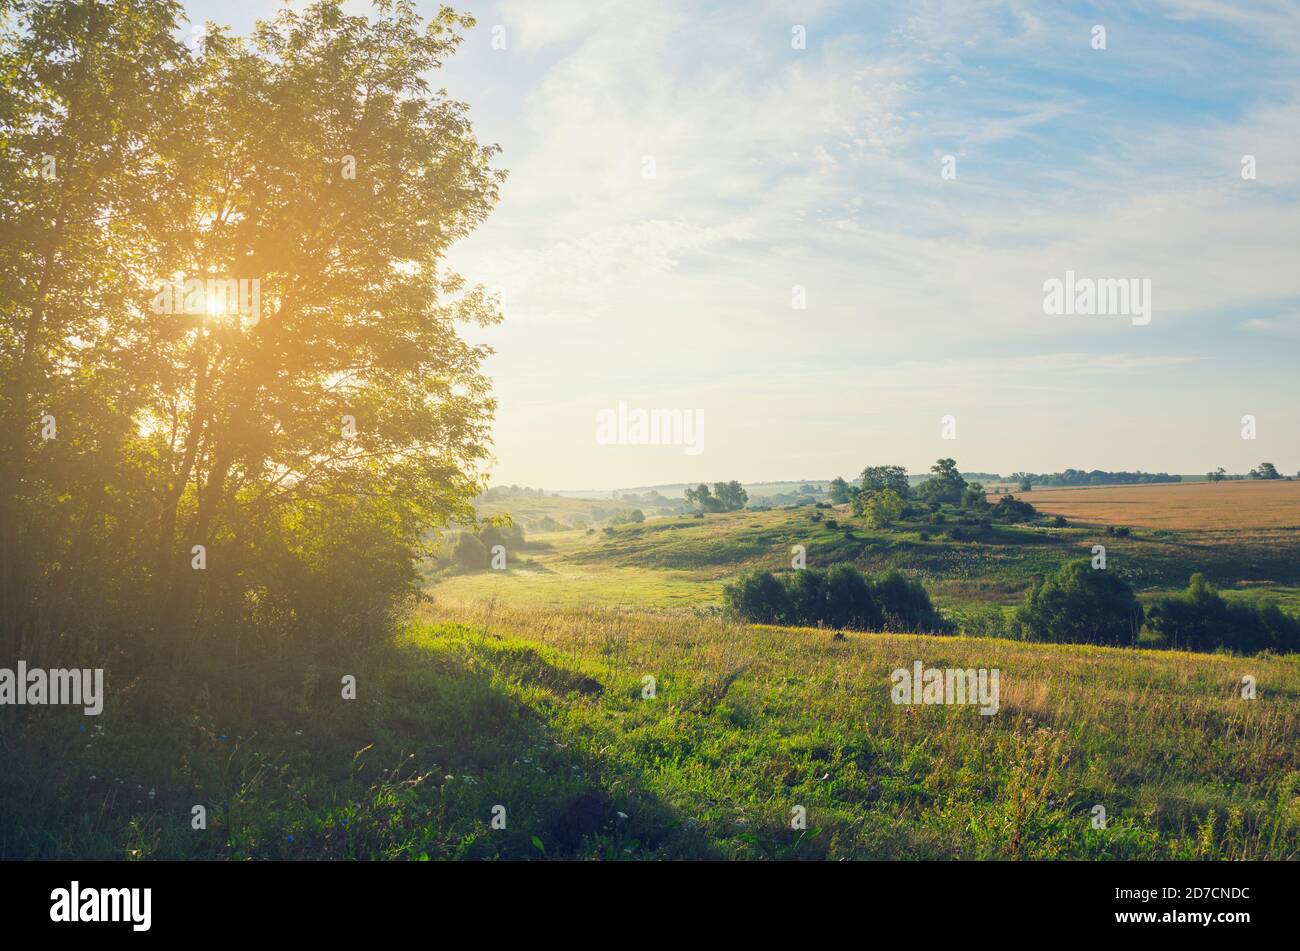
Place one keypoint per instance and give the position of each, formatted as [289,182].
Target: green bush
[759,597]
[841,597]
[470,554]
[1200,619]
[1081,605]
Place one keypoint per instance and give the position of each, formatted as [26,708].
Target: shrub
[904,604]
[883,508]
[838,598]
[1011,509]
[1060,522]
[470,554]
[1081,605]
[1118,531]
[759,597]
[1200,619]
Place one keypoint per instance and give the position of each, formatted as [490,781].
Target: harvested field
[1187,505]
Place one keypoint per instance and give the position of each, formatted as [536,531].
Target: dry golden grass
[1190,505]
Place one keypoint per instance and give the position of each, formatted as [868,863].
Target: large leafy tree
[308,445]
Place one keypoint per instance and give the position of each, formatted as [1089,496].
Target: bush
[904,604]
[1011,509]
[883,508]
[759,597]
[1118,531]
[1200,619]
[1060,522]
[1081,605]
[841,597]
[470,554]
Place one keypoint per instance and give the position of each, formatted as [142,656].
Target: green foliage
[946,485]
[841,597]
[760,597]
[1081,605]
[469,553]
[838,491]
[1199,619]
[1011,509]
[883,508]
[310,446]
[879,479]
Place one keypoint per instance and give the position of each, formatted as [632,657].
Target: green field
[684,562]
[543,713]
[523,689]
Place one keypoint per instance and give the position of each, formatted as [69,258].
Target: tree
[880,478]
[1081,605]
[974,497]
[310,443]
[1026,485]
[469,553]
[759,597]
[839,598]
[1199,619]
[946,485]
[883,508]
[730,495]
[838,491]
[703,499]
[1266,470]
[1011,509]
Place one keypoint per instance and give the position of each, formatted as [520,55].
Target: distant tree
[839,598]
[974,497]
[1025,484]
[883,508]
[703,499]
[880,478]
[839,491]
[1266,470]
[730,495]
[946,485]
[1011,509]
[469,554]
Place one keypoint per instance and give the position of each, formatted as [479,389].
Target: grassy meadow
[524,689]
[543,712]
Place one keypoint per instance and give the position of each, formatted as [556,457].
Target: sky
[827,230]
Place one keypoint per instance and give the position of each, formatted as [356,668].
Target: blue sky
[777,167]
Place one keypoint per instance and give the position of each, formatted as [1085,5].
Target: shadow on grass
[439,756]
